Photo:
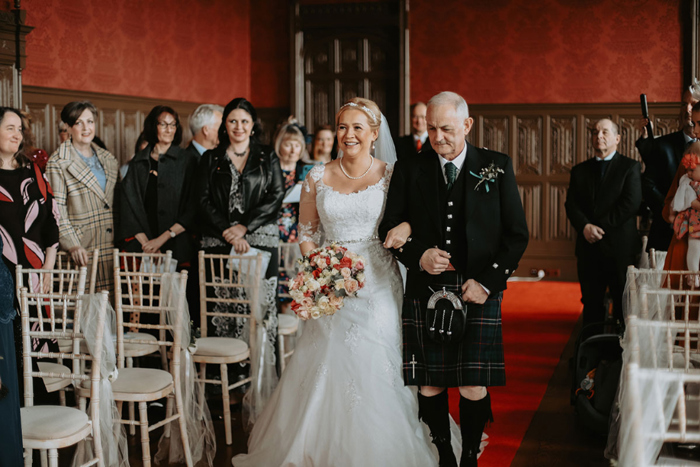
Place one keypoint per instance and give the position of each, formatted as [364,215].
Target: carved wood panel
[529,160]
[629,133]
[665,125]
[119,120]
[495,131]
[559,225]
[531,197]
[563,144]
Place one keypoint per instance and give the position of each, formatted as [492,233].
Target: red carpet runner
[538,319]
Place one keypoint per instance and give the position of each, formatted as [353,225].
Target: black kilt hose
[475,361]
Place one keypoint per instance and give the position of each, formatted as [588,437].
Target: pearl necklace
[371,163]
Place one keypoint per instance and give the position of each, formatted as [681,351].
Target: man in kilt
[468,234]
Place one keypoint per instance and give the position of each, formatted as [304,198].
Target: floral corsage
[486,175]
[326,275]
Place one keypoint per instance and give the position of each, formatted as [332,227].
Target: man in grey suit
[204,124]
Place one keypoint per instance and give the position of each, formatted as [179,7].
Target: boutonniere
[487,174]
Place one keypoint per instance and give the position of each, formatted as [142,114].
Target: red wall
[490,51]
[269,53]
[170,49]
[547,51]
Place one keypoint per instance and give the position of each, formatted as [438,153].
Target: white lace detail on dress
[308,234]
[316,174]
[352,337]
[392,371]
[351,395]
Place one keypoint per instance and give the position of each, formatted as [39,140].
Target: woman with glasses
[155,201]
[83,177]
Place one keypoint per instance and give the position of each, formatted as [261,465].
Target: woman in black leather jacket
[240,188]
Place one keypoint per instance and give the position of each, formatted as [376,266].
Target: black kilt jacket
[496,237]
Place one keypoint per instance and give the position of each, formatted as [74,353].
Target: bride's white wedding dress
[341,400]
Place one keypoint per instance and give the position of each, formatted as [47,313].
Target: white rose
[322,302]
[304,289]
[315,312]
[361,277]
[340,284]
[313,285]
[323,280]
[334,261]
[296,295]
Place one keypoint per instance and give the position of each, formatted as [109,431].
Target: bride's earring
[373,144]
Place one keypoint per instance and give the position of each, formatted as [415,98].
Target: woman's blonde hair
[293,131]
[374,115]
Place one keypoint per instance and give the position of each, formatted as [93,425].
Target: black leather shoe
[447,455]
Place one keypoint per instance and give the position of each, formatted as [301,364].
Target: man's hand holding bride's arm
[397,237]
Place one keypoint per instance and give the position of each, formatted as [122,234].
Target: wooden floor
[554,438]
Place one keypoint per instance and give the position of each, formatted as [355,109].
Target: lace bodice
[345,218]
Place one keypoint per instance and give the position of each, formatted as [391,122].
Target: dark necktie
[602,167]
[451,173]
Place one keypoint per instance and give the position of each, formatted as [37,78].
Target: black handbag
[446,317]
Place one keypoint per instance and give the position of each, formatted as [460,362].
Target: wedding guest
[62,132]
[678,248]
[28,218]
[417,141]
[290,146]
[36,155]
[240,188]
[83,177]
[323,145]
[604,195]
[156,201]
[11,451]
[204,125]
[661,157]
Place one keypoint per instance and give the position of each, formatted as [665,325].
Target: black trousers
[597,272]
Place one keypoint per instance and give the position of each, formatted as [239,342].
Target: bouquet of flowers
[326,276]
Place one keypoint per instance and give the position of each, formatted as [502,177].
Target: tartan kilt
[475,361]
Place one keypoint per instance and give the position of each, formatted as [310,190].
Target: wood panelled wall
[120,118]
[544,140]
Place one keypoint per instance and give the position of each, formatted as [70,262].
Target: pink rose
[306,302]
[346,272]
[351,286]
[303,314]
[359,265]
[336,302]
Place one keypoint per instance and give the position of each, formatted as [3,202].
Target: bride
[341,400]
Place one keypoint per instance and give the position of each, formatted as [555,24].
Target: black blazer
[263,189]
[176,203]
[193,150]
[496,229]
[406,147]
[661,158]
[612,206]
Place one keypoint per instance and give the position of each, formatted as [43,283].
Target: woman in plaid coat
[83,177]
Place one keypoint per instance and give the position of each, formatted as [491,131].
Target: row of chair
[138,289]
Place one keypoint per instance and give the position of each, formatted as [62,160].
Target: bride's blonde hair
[374,115]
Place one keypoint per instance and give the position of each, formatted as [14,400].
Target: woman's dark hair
[243,104]
[150,125]
[20,157]
[73,110]
[139,141]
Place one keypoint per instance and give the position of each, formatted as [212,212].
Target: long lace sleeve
[310,230]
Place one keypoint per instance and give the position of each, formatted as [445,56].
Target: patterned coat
[87,216]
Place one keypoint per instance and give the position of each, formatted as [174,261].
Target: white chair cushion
[140,349]
[54,384]
[288,324]
[45,422]
[140,381]
[66,345]
[220,347]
